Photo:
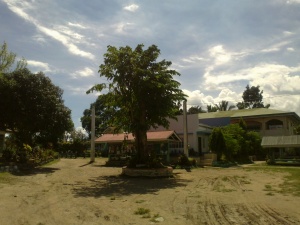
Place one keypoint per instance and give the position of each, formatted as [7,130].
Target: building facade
[267,122]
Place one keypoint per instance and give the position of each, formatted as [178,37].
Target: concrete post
[185,130]
[93,135]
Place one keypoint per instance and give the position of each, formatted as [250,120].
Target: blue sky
[217,46]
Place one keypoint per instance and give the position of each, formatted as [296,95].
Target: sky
[219,47]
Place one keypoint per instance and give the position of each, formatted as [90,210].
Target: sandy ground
[75,192]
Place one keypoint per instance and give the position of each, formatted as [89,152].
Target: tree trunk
[141,136]
[141,146]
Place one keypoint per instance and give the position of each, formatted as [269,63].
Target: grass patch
[245,182]
[154,218]
[145,213]
[225,179]
[291,183]
[222,188]
[268,187]
[142,211]
[139,201]
[6,177]
[242,179]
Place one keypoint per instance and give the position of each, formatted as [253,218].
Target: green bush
[9,155]
[183,162]
[271,162]
[28,155]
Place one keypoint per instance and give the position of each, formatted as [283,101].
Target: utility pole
[93,135]
[185,130]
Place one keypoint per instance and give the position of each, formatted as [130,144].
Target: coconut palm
[223,106]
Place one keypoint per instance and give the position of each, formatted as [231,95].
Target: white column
[93,135]
[185,131]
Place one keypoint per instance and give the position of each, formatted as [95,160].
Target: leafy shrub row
[28,155]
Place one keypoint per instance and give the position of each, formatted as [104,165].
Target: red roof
[151,136]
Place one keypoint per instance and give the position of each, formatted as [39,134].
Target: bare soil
[73,191]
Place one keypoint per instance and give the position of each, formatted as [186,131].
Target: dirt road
[75,192]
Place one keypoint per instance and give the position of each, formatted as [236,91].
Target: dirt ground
[75,192]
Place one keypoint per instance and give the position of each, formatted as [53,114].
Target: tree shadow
[34,171]
[124,186]
[89,163]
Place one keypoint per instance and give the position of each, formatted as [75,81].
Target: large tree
[32,107]
[141,89]
[252,98]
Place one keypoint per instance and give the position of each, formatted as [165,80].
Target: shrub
[271,162]
[183,161]
[9,155]
[28,155]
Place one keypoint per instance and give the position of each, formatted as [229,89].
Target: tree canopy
[252,98]
[7,60]
[141,89]
[235,143]
[32,107]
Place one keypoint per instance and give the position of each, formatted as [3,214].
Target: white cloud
[276,47]
[131,8]
[258,75]
[77,25]
[215,81]
[65,40]
[123,27]
[86,72]
[197,98]
[228,95]
[290,49]
[44,67]
[67,31]
[193,59]
[40,39]
[287,33]
[293,2]
[219,55]
[79,90]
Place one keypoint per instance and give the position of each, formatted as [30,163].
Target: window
[274,124]
[253,125]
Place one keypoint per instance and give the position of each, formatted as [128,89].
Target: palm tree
[211,108]
[195,110]
[223,106]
